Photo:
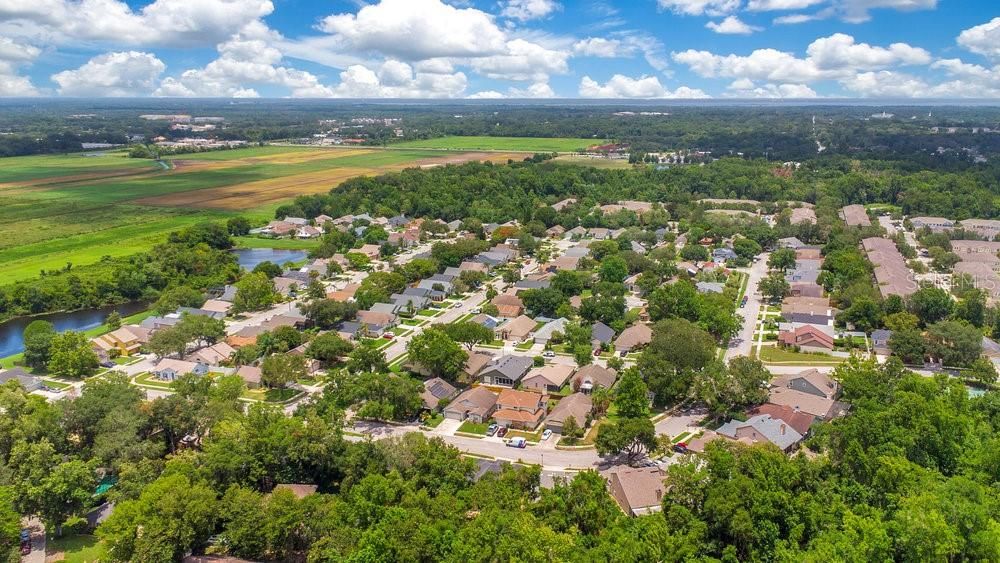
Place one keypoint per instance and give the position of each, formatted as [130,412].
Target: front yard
[470,427]
[775,354]
[146,379]
[270,395]
[74,549]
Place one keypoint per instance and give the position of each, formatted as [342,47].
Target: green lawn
[526,144]
[278,243]
[470,427]
[430,313]
[76,549]
[775,354]
[270,395]
[529,436]
[150,380]
[377,343]
[57,385]
[434,420]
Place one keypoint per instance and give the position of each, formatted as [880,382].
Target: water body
[11,341]
[250,257]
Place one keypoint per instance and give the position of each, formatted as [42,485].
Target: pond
[11,341]
[250,257]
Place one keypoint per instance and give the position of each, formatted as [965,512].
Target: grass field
[75,209]
[582,160]
[75,549]
[526,144]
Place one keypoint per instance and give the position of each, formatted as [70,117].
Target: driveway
[685,421]
[37,554]
[448,427]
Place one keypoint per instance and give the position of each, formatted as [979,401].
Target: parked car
[681,448]
[502,432]
[623,353]
[107,364]
[547,434]
[517,442]
[548,354]
[388,336]
[476,311]
[597,352]
[492,429]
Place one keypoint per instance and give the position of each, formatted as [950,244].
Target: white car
[476,311]
[547,434]
[548,354]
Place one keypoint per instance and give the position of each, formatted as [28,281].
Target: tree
[631,396]
[604,308]
[930,305]
[544,301]
[238,226]
[38,336]
[181,296]
[468,333]
[328,313]
[571,430]
[201,328]
[774,287]
[972,307]
[613,269]
[982,371]
[366,358]
[901,321]
[694,253]
[678,299]
[64,492]
[357,260]
[716,314]
[172,517]
[114,320]
[437,353]
[72,355]
[864,313]
[781,259]
[907,344]
[254,292]
[568,282]
[328,348]
[954,343]
[268,268]
[278,370]
[723,390]
[629,436]
[746,248]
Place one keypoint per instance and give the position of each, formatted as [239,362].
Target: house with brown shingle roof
[548,378]
[476,362]
[637,490]
[577,406]
[345,294]
[592,376]
[855,216]
[807,338]
[516,330]
[633,337]
[475,404]
[508,305]
[519,409]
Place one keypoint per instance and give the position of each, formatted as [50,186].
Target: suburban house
[476,362]
[435,391]
[761,428]
[563,204]
[369,250]
[127,340]
[810,381]
[345,294]
[880,341]
[592,376]
[820,407]
[469,266]
[547,379]
[723,254]
[805,289]
[802,215]
[807,338]
[811,310]
[169,369]
[637,490]
[505,371]
[710,287]
[633,337]
[516,330]
[251,375]
[577,406]
[790,242]
[563,263]
[28,382]
[508,305]
[555,232]
[475,404]
[601,335]
[800,421]
[212,355]
[350,330]
[544,334]
[376,322]
[520,409]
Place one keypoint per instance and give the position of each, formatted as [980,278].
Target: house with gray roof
[505,371]
[710,287]
[435,391]
[760,429]
[601,334]
[723,254]
[544,334]
[28,382]
[532,284]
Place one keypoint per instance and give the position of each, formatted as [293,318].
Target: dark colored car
[681,448]
[502,432]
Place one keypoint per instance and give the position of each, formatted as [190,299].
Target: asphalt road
[742,344]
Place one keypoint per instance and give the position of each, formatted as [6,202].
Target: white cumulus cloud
[982,39]
[601,47]
[732,25]
[123,73]
[620,86]
[700,7]
[773,5]
[523,60]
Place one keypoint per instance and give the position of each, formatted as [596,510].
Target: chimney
[659,495]
[782,429]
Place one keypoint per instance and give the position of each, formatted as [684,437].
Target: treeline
[196,257]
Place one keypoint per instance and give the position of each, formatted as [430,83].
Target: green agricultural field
[75,209]
[525,144]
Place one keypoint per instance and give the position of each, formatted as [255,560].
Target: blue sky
[501,48]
